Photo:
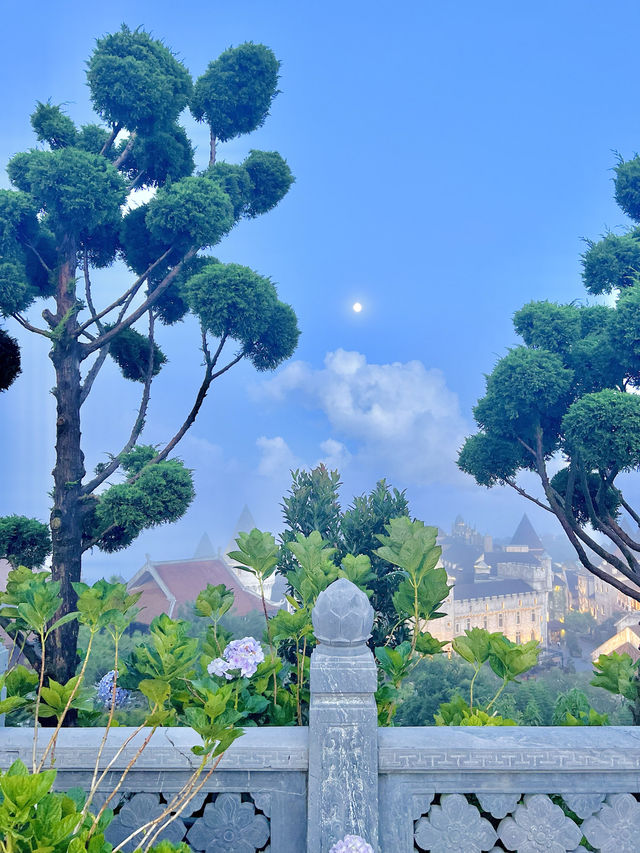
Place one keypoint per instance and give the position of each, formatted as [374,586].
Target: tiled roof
[185,579]
[526,535]
[486,589]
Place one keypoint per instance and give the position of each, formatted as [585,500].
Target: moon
[357,307]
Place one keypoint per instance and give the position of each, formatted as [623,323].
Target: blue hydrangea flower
[104,691]
[351,844]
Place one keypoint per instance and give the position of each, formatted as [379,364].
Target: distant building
[625,640]
[167,585]
[503,590]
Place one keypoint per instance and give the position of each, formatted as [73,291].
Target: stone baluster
[343,735]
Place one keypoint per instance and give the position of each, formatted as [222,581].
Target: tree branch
[128,295]
[30,648]
[138,425]
[574,533]
[529,497]
[212,149]
[141,309]
[209,376]
[115,130]
[26,325]
[634,515]
[39,257]
[127,150]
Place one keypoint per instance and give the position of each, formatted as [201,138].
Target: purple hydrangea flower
[104,691]
[219,666]
[244,654]
[352,844]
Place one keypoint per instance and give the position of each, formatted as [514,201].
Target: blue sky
[449,159]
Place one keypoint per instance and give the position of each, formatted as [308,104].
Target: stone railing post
[343,725]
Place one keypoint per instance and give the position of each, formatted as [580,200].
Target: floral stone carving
[539,826]
[453,826]
[229,826]
[140,809]
[616,827]
[498,805]
[584,805]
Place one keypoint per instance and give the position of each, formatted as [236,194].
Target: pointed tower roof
[244,524]
[526,536]
[205,548]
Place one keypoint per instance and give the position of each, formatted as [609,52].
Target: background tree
[313,504]
[68,214]
[570,392]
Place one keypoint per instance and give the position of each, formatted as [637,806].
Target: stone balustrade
[445,790]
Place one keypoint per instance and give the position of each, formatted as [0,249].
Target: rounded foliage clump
[53,126]
[626,330]
[236,183]
[191,212]
[528,388]
[601,430]
[270,180]
[136,82]
[547,325]
[130,351]
[161,493]
[172,305]
[140,248]
[79,192]
[134,461]
[9,360]
[166,154]
[234,94]
[609,498]
[491,459]
[279,339]
[613,262]
[627,187]
[24,541]
[231,300]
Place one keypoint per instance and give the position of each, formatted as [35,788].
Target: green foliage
[53,126]
[232,300]
[412,547]
[573,709]
[161,493]
[617,674]
[136,82]
[164,155]
[131,352]
[611,263]
[567,392]
[257,553]
[270,180]
[458,713]
[24,541]
[316,569]
[235,181]
[627,181]
[277,341]
[77,191]
[192,212]
[601,430]
[234,94]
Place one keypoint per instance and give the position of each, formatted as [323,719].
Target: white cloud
[399,419]
[277,456]
[336,455]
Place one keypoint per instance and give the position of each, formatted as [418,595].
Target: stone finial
[342,615]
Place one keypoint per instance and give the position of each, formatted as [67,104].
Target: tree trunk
[66,516]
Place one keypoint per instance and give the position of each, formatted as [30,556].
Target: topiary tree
[68,215]
[571,392]
[313,503]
